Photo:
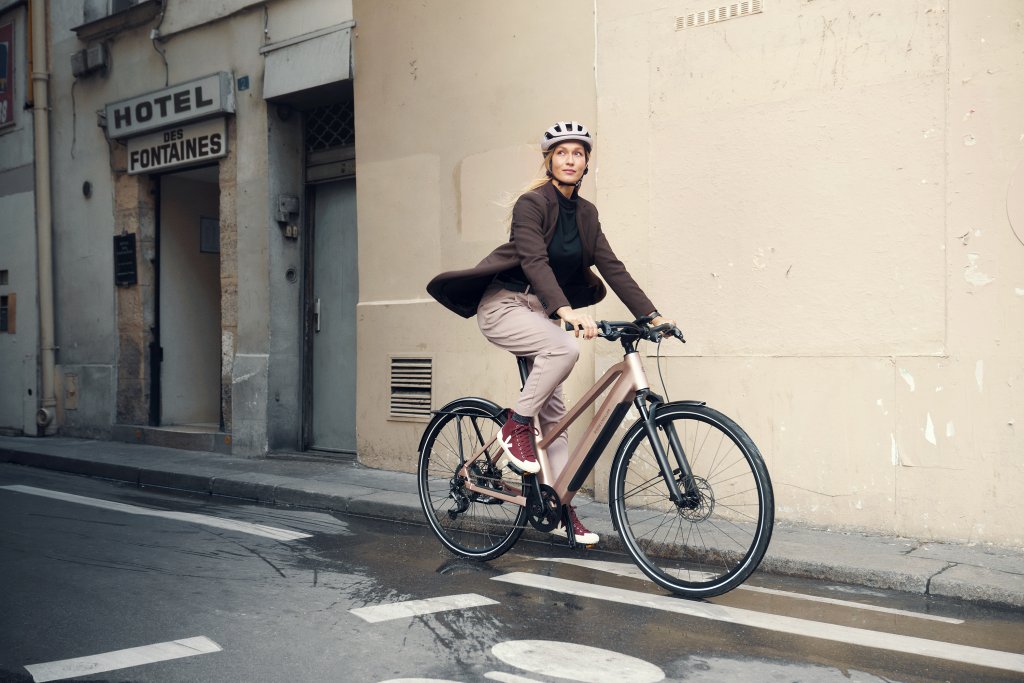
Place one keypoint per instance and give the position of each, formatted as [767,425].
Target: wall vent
[411,384]
[717,14]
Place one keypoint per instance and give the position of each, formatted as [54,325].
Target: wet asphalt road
[81,580]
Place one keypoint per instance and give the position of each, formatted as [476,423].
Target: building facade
[828,196]
[194,146]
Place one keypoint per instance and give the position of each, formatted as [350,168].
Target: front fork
[686,496]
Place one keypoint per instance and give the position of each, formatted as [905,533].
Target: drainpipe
[44,219]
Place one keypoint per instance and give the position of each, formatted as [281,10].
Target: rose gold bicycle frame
[625,378]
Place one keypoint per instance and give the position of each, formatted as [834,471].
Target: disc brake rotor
[702,505]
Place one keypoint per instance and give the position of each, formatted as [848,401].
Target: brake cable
[661,378]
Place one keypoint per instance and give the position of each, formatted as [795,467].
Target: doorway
[334,295]
[188,315]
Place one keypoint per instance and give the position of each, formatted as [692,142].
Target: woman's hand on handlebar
[669,328]
[579,322]
[662,320]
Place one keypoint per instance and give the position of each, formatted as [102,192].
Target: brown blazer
[534,219]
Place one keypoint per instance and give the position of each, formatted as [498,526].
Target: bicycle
[689,493]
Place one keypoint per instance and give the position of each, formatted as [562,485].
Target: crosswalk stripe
[121,659]
[504,677]
[801,627]
[412,608]
[632,571]
[205,520]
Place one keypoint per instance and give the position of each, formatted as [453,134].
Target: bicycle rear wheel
[469,524]
[714,540]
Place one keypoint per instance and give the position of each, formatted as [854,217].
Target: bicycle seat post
[524,371]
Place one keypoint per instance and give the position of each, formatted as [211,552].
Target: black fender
[481,406]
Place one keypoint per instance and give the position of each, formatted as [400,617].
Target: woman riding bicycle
[525,289]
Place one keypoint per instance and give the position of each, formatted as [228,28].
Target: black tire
[487,527]
[712,545]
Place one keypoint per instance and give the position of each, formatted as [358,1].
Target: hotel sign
[196,99]
[181,146]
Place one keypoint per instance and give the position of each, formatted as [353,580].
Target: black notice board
[125,269]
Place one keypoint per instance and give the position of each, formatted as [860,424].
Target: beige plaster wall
[451,99]
[824,194]
[821,191]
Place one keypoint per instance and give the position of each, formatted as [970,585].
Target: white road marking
[121,659]
[801,627]
[632,571]
[503,677]
[575,662]
[412,608]
[205,520]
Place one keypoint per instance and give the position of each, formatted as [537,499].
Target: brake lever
[655,334]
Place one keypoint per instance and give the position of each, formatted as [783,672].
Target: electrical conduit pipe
[44,218]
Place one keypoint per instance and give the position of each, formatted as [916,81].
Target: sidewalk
[977,573]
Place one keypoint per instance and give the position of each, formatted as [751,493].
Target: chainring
[546,513]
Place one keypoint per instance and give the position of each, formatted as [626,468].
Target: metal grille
[411,383]
[329,126]
[717,14]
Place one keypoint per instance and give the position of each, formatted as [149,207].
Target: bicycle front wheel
[710,542]
[468,523]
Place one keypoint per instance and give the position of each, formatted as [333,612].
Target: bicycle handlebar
[638,329]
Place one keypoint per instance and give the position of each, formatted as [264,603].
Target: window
[7,313]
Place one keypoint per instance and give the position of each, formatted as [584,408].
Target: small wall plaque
[125,269]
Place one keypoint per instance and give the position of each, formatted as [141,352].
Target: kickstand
[567,523]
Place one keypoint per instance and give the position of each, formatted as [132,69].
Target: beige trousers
[517,323]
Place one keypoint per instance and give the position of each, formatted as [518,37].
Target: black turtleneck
[565,253]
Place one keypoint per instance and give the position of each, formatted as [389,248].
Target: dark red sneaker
[583,535]
[517,442]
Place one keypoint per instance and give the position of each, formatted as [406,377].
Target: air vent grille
[718,14]
[411,384]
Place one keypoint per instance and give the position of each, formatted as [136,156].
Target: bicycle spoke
[469,523]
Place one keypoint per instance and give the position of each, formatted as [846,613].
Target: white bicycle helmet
[564,131]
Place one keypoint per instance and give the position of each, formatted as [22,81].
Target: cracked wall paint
[929,430]
[907,377]
[242,378]
[975,276]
